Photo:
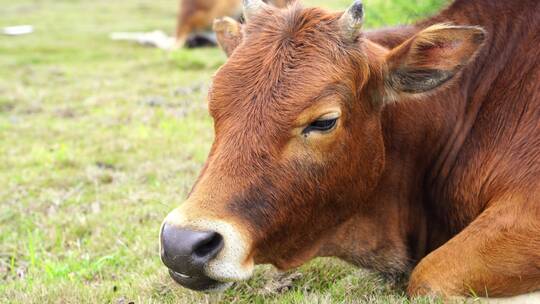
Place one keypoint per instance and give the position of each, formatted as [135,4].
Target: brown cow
[196,17]
[408,149]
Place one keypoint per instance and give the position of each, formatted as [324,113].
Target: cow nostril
[187,251]
[209,247]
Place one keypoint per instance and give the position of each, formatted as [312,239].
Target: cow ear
[228,34]
[431,57]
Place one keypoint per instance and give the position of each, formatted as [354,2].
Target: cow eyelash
[321,125]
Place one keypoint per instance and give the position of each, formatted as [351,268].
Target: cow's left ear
[228,34]
[431,57]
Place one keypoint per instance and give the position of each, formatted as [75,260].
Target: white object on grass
[18,30]
[156,38]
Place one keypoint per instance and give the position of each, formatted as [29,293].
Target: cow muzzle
[203,254]
[186,252]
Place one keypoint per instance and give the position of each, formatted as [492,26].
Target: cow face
[298,143]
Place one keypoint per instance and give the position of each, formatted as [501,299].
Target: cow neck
[424,136]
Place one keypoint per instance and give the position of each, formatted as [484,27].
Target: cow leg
[497,255]
[182,30]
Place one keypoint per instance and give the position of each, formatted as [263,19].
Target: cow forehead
[267,93]
[280,68]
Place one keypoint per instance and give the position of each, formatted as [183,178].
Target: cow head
[298,144]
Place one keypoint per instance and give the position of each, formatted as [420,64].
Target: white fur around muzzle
[231,264]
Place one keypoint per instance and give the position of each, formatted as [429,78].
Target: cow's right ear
[228,34]
[430,58]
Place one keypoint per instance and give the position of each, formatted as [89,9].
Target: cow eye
[321,125]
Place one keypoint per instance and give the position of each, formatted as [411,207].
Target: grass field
[99,140]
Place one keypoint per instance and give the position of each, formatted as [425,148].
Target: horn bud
[352,19]
[252,7]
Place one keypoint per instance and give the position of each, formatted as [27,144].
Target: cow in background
[195,19]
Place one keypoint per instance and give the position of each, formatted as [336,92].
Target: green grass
[99,140]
